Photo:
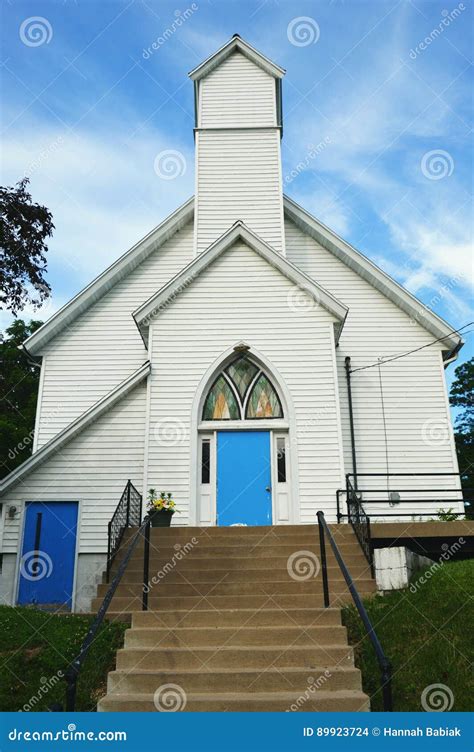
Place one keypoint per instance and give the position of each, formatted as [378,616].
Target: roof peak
[236,44]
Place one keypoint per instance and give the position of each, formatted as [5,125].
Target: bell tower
[237,134]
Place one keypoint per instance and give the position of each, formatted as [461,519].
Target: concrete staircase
[236,623]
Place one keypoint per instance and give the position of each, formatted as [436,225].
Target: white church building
[241,356]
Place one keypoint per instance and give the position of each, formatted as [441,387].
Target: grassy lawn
[427,635]
[36,645]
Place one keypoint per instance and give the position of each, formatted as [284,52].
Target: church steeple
[238,131]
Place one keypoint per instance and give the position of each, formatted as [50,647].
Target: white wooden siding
[241,297]
[103,346]
[238,177]
[92,468]
[417,420]
[237,93]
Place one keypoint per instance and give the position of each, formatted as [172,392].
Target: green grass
[36,645]
[427,635]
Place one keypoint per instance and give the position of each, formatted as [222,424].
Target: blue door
[244,493]
[48,555]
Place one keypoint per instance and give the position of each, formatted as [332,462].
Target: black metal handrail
[360,522]
[127,514]
[74,668]
[383,661]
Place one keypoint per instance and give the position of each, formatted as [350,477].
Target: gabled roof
[239,231]
[115,273]
[68,433]
[374,275]
[236,44]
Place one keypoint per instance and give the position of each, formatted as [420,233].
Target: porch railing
[399,496]
[127,514]
[360,522]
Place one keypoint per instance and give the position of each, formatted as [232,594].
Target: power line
[417,349]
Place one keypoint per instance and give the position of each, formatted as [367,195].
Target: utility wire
[417,349]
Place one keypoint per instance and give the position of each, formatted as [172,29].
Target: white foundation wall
[241,297]
[91,469]
[103,346]
[401,412]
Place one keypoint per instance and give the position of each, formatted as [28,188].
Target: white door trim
[198,426]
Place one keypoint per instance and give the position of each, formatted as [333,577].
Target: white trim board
[105,281]
[236,44]
[372,274]
[239,231]
[62,438]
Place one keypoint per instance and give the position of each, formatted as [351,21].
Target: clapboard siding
[413,390]
[239,178]
[93,469]
[241,297]
[103,346]
[237,93]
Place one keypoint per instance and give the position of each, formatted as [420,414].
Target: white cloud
[104,194]
[379,127]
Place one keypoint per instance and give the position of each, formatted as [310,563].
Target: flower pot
[160,518]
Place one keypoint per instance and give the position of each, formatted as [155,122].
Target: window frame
[242,402]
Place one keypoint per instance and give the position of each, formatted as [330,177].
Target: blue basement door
[244,478]
[48,555]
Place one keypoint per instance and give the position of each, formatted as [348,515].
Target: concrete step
[194,562]
[240,546]
[237,617]
[275,531]
[252,680]
[133,602]
[170,574]
[229,636]
[236,657]
[318,701]
[165,588]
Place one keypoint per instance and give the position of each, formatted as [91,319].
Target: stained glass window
[228,394]
[263,401]
[242,371]
[221,403]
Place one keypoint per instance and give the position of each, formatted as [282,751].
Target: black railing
[394,496]
[360,522]
[384,663]
[74,668]
[127,514]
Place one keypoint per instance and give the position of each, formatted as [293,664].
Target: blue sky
[384,88]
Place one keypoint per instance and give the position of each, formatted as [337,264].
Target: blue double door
[244,494]
[48,554]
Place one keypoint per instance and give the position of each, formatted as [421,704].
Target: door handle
[268,488]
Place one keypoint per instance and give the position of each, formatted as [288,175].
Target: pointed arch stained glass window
[242,372]
[229,397]
[263,401]
[221,403]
